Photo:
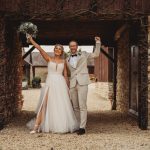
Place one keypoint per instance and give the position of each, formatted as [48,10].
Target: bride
[54,112]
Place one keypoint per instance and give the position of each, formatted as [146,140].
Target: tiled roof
[36,59]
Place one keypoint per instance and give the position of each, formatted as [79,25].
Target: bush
[24,79]
[36,82]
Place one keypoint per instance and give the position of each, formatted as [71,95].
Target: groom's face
[73,46]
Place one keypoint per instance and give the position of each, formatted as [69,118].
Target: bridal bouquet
[28,28]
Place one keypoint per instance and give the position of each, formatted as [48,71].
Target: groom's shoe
[81,131]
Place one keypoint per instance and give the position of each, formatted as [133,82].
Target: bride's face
[58,51]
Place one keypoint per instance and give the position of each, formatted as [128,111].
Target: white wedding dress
[58,113]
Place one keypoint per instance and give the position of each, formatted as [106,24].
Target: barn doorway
[105,68]
[53,32]
[34,66]
[84,32]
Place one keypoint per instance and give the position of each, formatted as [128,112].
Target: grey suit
[79,81]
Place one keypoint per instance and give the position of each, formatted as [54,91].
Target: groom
[79,80]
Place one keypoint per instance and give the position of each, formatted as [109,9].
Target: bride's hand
[28,36]
[68,83]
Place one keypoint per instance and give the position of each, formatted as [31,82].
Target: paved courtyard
[106,130]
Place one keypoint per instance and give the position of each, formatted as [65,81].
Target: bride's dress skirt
[58,116]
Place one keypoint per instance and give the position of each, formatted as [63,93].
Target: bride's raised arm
[43,53]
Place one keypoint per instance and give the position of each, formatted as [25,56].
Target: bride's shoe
[35,130]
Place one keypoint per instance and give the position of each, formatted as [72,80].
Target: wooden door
[103,68]
[133,102]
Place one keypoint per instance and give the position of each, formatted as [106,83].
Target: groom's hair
[73,41]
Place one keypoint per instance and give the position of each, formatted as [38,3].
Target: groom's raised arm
[97,49]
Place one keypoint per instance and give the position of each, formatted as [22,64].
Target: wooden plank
[107,55]
[115,78]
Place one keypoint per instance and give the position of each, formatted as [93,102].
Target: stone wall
[142,73]
[3,103]
[122,96]
[104,90]
[149,72]
[10,71]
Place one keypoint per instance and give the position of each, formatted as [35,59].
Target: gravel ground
[106,130]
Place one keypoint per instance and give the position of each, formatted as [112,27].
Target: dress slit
[42,111]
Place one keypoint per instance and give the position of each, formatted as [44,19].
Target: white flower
[28,27]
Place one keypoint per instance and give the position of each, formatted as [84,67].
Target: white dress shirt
[73,61]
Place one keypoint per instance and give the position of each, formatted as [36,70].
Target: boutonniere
[68,54]
[79,52]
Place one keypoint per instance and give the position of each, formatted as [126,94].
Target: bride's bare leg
[40,115]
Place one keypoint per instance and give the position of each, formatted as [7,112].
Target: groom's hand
[97,39]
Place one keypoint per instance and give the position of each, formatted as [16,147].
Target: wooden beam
[28,52]
[33,71]
[107,55]
[114,79]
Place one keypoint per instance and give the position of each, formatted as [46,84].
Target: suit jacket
[80,72]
